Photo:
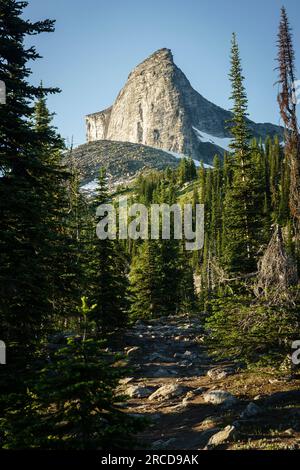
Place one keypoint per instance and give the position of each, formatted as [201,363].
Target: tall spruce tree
[145,281]
[65,289]
[242,205]
[108,271]
[26,190]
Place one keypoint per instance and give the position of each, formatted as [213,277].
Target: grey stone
[227,434]
[167,391]
[219,397]
[251,410]
[126,380]
[137,391]
[206,435]
[157,357]
[219,373]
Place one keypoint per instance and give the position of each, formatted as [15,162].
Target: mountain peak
[159,108]
[159,60]
[161,54]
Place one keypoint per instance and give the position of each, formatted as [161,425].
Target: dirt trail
[169,352]
[172,375]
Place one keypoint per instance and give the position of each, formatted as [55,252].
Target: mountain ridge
[158,107]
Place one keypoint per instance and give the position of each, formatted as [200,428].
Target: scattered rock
[219,397]
[185,364]
[219,373]
[167,391]
[251,410]
[161,444]
[126,380]
[189,396]
[137,391]
[163,372]
[131,351]
[273,381]
[289,432]
[157,357]
[206,435]
[212,421]
[188,354]
[227,434]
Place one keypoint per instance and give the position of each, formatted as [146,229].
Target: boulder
[138,391]
[219,397]
[167,391]
[219,373]
[251,410]
[227,434]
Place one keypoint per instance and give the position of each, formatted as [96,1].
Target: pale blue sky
[98,42]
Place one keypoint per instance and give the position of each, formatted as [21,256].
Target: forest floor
[193,402]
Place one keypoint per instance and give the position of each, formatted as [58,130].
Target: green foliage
[243,204]
[186,170]
[244,330]
[70,404]
[107,271]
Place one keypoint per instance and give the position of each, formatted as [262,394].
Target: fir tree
[145,281]
[242,231]
[72,404]
[29,181]
[107,273]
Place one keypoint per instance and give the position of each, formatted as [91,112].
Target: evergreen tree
[145,281]
[107,272]
[242,226]
[62,255]
[72,404]
[187,295]
[29,178]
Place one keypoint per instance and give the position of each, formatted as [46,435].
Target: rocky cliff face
[158,107]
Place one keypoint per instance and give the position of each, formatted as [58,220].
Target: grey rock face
[159,108]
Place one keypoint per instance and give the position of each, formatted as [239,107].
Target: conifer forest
[133,343]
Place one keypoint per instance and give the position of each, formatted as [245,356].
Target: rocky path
[171,375]
[193,402]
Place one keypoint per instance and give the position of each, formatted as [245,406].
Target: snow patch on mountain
[222,142]
[180,155]
[91,186]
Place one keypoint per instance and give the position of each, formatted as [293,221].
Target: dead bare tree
[287,104]
[277,272]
